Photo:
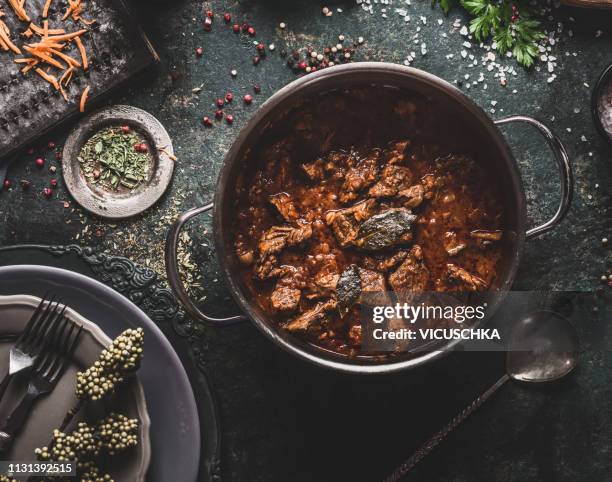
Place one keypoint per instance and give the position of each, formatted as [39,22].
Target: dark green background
[284,420]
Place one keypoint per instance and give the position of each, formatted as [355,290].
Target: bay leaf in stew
[348,289]
[385,229]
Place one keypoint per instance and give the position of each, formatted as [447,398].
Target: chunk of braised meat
[484,239]
[325,280]
[398,152]
[392,180]
[313,320]
[288,290]
[451,244]
[417,193]
[388,264]
[266,267]
[315,171]
[354,335]
[465,279]
[345,222]
[277,238]
[285,207]
[285,297]
[243,252]
[373,288]
[372,281]
[412,274]
[362,175]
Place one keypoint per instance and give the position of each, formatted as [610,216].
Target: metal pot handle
[565,172]
[174,278]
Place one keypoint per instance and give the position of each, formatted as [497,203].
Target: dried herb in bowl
[116,158]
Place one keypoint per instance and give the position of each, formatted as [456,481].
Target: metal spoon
[543,347]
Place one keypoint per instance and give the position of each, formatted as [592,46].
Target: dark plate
[175,426]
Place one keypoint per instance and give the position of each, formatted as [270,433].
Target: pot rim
[283,95]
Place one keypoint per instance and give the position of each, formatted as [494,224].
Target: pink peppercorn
[220,102]
[7,183]
[229,97]
[229,118]
[47,192]
[236,28]
[248,98]
[210,14]
[40,162]
[53,183]
[219,114]
[257,88]
[206,121]
[51,145]
[256,60]
[199,51]
[227,17]
[251,31]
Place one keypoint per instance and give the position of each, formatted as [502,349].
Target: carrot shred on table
[45,12]
[83,52]
[18,8]
[66,58]
[67,36]
[48,77]
[6,41]
[66,76]
[171,156]
[41,31]
[84,97]
[36,52]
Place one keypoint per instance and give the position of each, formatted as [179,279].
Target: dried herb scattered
[116,158]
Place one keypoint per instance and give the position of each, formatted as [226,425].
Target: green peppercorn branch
[510,24]
[115,364]
[88,444]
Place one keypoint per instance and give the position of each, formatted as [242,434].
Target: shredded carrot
[67,36]
[47,55]
[81,48]
[27,68]
[41,31]
[73,5]
[84,99]
[45,13]
[171,156]
[67,76]
[44,57]
[66,58]
[19,10]
[5,39]
[48,77]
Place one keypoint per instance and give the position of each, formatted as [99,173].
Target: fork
[46,372]
[30,342]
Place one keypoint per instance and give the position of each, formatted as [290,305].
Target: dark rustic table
[282,419]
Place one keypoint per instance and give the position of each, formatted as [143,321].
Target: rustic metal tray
[29,107]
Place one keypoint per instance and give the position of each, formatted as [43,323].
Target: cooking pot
[465,114]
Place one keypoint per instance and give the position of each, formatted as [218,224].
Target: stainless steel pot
[469,116]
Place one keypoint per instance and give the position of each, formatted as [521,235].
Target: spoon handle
[439,436]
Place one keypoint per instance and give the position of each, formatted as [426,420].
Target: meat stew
[348,194]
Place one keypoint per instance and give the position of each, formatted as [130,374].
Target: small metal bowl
[603,84]
[118,205]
